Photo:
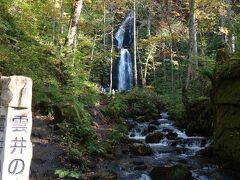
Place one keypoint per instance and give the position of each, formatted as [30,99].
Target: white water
[125,67]
[185,148]
[144,177]
[125,73]
[191,144]
[175,148]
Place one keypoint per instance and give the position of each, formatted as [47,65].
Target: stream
[174,147]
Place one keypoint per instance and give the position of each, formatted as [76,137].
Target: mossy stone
[176,172]
[226,98]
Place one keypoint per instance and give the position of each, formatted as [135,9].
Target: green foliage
[60,75]
[173,102]
[135,104]
[208,67]
[229,69]
[57,84]
[95,147]
[118,133]
[64,173]
[174,105]
[69,110]
[78,154]
[116,107]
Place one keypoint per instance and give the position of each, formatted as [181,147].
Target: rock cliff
[226,99]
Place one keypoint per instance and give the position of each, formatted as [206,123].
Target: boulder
[152,127]
[169,149]
[154,137]
[104,175]
[175,172]
[135,141]
[138,162]
[226,99]
[172,135]
[140,149]
[175,143]
[94,124]
[140,167]
[132,135]
[155,122]
[208,152]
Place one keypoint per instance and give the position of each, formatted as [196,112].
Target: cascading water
[174,147]
[124,69]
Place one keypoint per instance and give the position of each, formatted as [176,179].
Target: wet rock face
[172,135]
[140,149]
[152,127]
[176,172]
[226,97]
[104,175]
[154,137]
[198,119]
[140,167]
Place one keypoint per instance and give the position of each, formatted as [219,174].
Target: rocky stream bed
[153,150]
[158,150]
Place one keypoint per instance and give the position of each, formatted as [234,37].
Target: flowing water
[125,69]
[174,148]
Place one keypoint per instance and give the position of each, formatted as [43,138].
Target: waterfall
[125,68]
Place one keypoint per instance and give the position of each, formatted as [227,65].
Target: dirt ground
[48,155]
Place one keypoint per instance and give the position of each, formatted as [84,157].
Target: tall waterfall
[125,67]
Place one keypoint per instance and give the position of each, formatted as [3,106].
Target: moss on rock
[176,172]
[228,91]
[226,98]
[198,117]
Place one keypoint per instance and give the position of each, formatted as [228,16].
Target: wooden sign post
[15,127]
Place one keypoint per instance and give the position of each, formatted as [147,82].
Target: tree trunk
[54,21]
[77,8]
[149,24]
[135,44]
[193,32]
[61,15]
[171,56]
[230,21]
[222,24]
[172,67]
[93,46]
[92,53]
[111,59]
[104,24]
[164,63]
[192,43]
[154,70]
[153,48]
[139,60]
[169,8]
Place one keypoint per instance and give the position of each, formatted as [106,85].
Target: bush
[70,112]
[140,104]
[119,133]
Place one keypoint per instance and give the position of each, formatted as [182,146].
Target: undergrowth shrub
[70,113]
[119,133]
[141,104]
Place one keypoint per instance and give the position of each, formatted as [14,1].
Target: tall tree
[112,49]
[192,43]
[135,43]
[54,22]
[61,15]
[76,12]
